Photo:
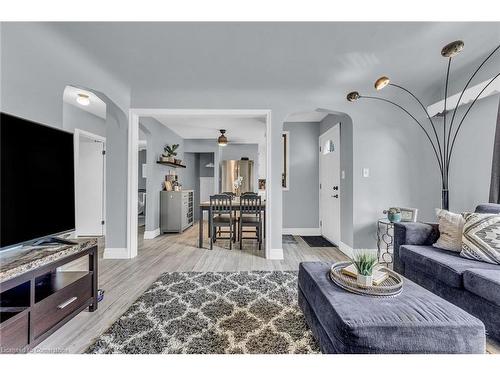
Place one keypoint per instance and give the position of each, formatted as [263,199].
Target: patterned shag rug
[215,312]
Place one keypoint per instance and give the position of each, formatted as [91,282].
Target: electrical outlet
[366,172]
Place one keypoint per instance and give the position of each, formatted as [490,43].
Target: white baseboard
[346,249]
[115,253]
[276,254]
[150,234]
[302,231]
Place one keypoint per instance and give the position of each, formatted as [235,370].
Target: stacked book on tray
[379,276]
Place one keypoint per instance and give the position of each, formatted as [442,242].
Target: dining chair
[221,215]
[250,216]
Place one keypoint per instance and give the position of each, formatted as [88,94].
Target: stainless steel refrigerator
[231,170]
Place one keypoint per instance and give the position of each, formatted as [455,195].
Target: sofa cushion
[443,265]
[484,283]
[481,240]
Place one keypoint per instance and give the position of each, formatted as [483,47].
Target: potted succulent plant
[393,214]
[169,153]
[365,263]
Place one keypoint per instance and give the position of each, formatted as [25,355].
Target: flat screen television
[37,184]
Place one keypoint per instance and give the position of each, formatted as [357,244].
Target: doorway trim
[133,147]
[337,242]
[79,133]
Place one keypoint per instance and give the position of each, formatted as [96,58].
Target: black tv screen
[37,181]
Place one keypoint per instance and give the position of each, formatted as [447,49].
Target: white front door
[90,188]
[329,179]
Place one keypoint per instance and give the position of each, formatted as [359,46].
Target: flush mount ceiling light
[381,83]
[352,96]
[222,140]
[83,99]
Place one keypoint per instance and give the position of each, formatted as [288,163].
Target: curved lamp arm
[428,116]
[463,91]
[465,115]
[445,165]
[413,117]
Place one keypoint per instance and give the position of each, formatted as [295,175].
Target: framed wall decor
[409,214]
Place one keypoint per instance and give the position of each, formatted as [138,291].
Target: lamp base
[445,203]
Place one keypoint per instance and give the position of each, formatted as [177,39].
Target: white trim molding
[302,231]
[133,148]
[276,254]
[150,234]
[115,253]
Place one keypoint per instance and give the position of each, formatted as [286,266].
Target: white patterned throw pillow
[481,237]
[450,230]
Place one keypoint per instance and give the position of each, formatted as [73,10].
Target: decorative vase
[177,161]
[394,217]
[170,159]
[364,280]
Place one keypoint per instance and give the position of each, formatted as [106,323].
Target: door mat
[317,241]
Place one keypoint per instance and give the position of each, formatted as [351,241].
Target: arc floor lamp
[442,147]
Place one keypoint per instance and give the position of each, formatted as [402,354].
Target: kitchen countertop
[20,260]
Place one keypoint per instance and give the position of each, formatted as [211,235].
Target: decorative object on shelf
[390,287]
[385,241]
[222,140]
[262,184]
[442,146]
[169,153]
[365,263]
[393,214]
[178,161]
[409,214]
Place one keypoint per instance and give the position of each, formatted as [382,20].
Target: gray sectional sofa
[472,285]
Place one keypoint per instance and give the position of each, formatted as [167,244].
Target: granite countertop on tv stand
[20,260]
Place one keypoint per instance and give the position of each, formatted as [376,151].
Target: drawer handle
[64,304]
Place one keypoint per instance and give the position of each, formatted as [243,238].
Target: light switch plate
[342,175]
[366,172]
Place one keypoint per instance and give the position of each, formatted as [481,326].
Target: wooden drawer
[49,311]
[14,333]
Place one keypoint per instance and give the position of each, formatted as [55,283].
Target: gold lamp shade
[452,49]
[222,140]
[352,96]
[381,83]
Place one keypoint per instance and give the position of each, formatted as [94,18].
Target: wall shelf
[173,165]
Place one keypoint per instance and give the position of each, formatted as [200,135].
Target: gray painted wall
[235,151]
[157,136]
[301,201]
[206,158]
[36,65]
[141,161]
[76,118]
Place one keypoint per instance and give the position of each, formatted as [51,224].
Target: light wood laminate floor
[125,280]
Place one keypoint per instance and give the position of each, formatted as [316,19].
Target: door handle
[335,187]
[335,196]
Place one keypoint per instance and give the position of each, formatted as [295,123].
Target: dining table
[205,206]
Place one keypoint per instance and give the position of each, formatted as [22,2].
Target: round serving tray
[390,287]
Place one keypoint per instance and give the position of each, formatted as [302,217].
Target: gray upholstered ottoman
[416,321]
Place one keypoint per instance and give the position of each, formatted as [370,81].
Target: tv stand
[37,297]
[53,241]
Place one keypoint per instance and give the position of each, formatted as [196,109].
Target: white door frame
[133,147]
[78,133]
[339,240]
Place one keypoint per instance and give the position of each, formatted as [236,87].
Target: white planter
[365,280]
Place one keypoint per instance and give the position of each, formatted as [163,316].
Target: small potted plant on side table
[365,263]
[393,214]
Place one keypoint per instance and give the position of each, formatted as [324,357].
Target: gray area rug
[210,313]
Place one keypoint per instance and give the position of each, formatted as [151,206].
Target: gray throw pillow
[481,237]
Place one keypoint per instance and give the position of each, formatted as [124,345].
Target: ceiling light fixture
[222,140]
[381,83]
[83,99]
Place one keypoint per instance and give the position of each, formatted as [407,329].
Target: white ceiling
[97,107]
[314,58]
[239,129]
